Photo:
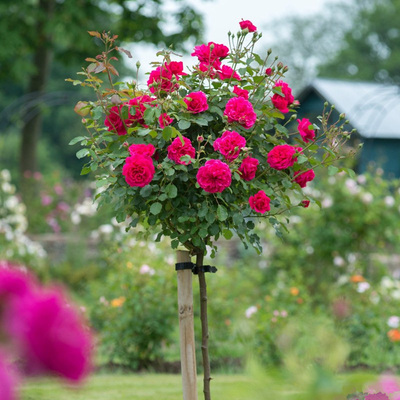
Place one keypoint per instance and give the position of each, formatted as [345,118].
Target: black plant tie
[194,268]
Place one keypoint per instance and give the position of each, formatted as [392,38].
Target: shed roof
[372,108]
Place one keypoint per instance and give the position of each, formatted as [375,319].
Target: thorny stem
[204,328]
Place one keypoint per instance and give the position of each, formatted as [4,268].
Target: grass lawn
[132,387]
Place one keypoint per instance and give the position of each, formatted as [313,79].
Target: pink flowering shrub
[43,329]
[203,149]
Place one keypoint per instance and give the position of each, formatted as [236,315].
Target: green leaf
[97,112]
[227,234]
[77,139]
[156,208]
[167,133]
[82,153]
[183,124]
[222,213]
[332,170]
[301,159]
[145,191]
[171,191]
[203,233]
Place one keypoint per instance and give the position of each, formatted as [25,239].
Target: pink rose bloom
[176,150]
[228,73]
[303,177]
[283,102]
[248,168]
[196,102]
[241,92]
[7,381]
[137,107]
[161,79]
[50,334]
[175,68]
[115,123]
[268,71]
[13,282]
[305,203]
[230,144]
[246,24]
[305,131]
[138,170]
[143,149]
[205,54]
[164,120]
[240,110]
[214,177]
[377,396]
[260,202]
[210,69]
[282,156]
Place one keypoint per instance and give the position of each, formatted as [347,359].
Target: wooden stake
[186,329]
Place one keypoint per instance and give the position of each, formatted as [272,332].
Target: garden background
[325,296]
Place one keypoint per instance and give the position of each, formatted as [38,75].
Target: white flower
[352,186]
[327,202]
[309,250]
[396,294]
[250,311]
[367,198]
[146,269]
[387,283]
[338,261]
[393,321]
[362,287]
[5,175]
[342,280]
[361,179]
[106,229]
[389,201]
[351,258]
[75,218]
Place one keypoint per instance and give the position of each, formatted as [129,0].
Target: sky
[221,16]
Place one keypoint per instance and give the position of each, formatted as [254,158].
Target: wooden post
[186,329]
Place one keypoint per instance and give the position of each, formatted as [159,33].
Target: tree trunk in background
[37,84]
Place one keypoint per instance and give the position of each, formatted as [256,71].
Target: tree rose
[282,156]
[282,102]
[143,149]
[303,177]
[246,24]
[196,102]
[230,144]
[210,53]
[176,150]
[214,177]
[260,202]
[138,170]
[137,107]
[248,168]
[240,110]
[305,131]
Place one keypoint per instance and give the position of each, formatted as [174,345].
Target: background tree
[44,39]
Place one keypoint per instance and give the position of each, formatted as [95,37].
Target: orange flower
[118,301]
[394,335]
[228,322]
[300,300]
[294,291]
[357,279]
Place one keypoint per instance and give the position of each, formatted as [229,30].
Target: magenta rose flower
[175,68]
[176,150]
[268,71]
[305,131]
[138,170]
[50,334]
[161,79]
[305,203]
[230,144]
[260,202]
[282,102]
[282,156]
[164,120]
[248,168]
[137,107]
[143,149]
[115,123]
[228,73]
[214,177]
[303,177]
[246,24]
[240,110]
[196,102]
[241,92]
[210,53]
[210,70]
[14,282]
[8,380]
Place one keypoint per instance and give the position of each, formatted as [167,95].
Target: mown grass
[131,387]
